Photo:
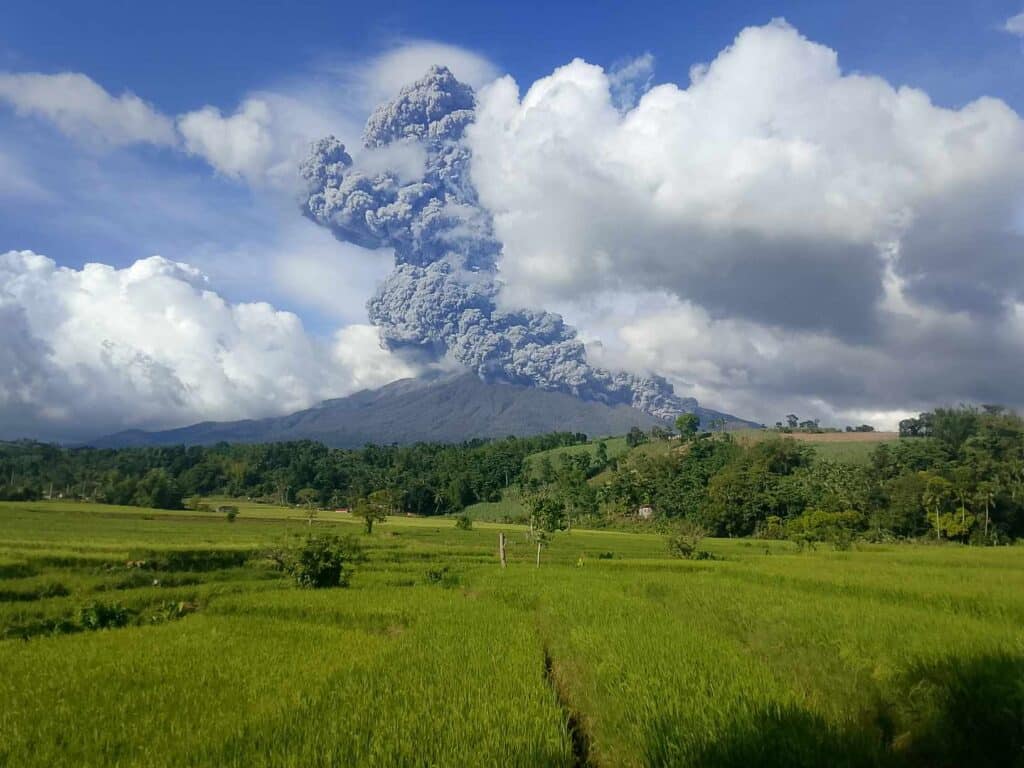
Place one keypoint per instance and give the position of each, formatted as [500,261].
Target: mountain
[439,408]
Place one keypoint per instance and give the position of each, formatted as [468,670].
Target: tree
[792,421]
[937,493]
[308,498]
[635,437]
[951,427]
[374,508]
[158,490]
[902,512]
[547,516]
[985,497]
[687,425]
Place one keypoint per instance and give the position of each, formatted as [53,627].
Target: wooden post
[538,554]
[501,548]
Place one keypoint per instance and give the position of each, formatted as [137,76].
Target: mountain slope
[445,408]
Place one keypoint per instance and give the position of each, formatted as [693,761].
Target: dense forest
[956,474]
[960,477]
[430,478]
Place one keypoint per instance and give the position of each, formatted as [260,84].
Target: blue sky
[231,93]
[183,53]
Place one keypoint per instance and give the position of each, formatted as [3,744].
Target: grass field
[844,447]
[610,654]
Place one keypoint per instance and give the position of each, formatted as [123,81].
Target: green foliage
[635,437]
[443,577]
[321,561]
[230,511]
[687,424]
[772,528]
[375,508]
[684,541]
[99,615]
[464,522]
[432,478]
[819,525]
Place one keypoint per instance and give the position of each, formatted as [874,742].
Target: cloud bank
[838,242]
[776,234]
[152,346]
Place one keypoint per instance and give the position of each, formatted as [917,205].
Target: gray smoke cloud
[441,299]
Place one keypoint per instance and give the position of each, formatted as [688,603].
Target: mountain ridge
[448,408]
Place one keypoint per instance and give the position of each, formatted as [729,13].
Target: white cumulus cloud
[1015,25]
[98,349]
[237,145]
[813,236]
[357,349]
[773,169]
[81,108]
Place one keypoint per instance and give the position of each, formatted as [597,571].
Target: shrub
[99,615]
[320,561]
[229,511]
[836,528]
[683,541]
[464,522]
[188,559]
[772,528]
[171,610]
[443,577]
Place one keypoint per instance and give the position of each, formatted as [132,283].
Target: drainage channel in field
[580,739]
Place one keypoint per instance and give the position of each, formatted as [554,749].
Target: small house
[645,513]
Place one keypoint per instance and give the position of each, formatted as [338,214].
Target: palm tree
[987,498]
[936,493]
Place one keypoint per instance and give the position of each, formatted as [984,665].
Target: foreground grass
[435,656]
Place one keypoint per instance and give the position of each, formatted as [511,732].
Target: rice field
[610,654]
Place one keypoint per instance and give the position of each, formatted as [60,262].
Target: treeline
[963,482]
[426,478]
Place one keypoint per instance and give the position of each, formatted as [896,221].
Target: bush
[188,559]
[464,522]
[836,528]
[443,577]
[171,610]
[772,528]
[99,615]
[229,511]
[320,561]
[684,539]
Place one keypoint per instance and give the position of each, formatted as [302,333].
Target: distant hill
[440,408]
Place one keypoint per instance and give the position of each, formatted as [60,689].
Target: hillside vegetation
[960,478]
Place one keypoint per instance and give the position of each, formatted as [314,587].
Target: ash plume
[441,297]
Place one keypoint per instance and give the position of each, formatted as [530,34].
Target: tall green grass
[609,654]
